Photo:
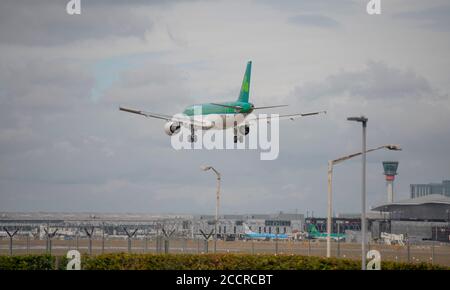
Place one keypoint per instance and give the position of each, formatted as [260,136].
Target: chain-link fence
[431,252]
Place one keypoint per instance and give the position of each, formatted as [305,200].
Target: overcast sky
[65,146]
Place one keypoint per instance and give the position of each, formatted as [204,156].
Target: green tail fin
[313,229]
[245,88]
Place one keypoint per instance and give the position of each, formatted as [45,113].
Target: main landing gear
[237,138]
[192,138]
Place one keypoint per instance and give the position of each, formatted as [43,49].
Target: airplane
[313,233]
[251,235]
[219,116]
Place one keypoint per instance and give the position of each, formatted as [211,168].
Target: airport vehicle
[313,233]
[220,116]
[391,239]
[249,234]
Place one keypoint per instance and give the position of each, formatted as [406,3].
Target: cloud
[313,6]
[152,86]
[31,84]
[376,81]
[46,23]
[431,18]
[314,20]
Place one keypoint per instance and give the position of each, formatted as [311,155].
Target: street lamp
[363,120]
[206,168]
[331,163]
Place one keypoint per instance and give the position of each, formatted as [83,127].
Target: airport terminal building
[421,218]
[232,226]
[70,225]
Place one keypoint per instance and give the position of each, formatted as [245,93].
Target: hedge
[124,261]
[28,262]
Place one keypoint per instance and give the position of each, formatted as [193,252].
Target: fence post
[11,235]
[276,241]
[206,238]
[338,247]
[10,245]
[205,246]
[432,253]
[49,239]
[103,238]
[338,239]
[89,233]
[28,244]
[166,246]
[130,235]
[408,251]
[167,239]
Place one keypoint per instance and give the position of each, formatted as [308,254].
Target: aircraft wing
[284,117]
[147,114]
[185,120]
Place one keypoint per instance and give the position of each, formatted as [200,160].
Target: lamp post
[363,120]
[331,163]
[206,168]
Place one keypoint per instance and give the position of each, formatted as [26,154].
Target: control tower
[390,171]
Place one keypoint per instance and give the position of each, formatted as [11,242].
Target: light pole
[363,120]
[206,168]
[331,163]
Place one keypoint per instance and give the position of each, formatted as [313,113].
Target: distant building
[233,225]
[430,207]
[420,218]
[419,190]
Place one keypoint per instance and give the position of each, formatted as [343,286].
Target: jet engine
[171,128]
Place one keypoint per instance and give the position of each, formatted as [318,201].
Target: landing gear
[238,138]
[192,138]
[237,134]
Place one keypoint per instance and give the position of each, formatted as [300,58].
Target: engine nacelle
[171,128]
[244,129]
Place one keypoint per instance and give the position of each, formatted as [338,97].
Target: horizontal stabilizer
[269,107]
[237,108]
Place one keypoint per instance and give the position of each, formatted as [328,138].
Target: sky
[65,146]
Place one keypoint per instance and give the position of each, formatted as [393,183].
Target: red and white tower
[390,171]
